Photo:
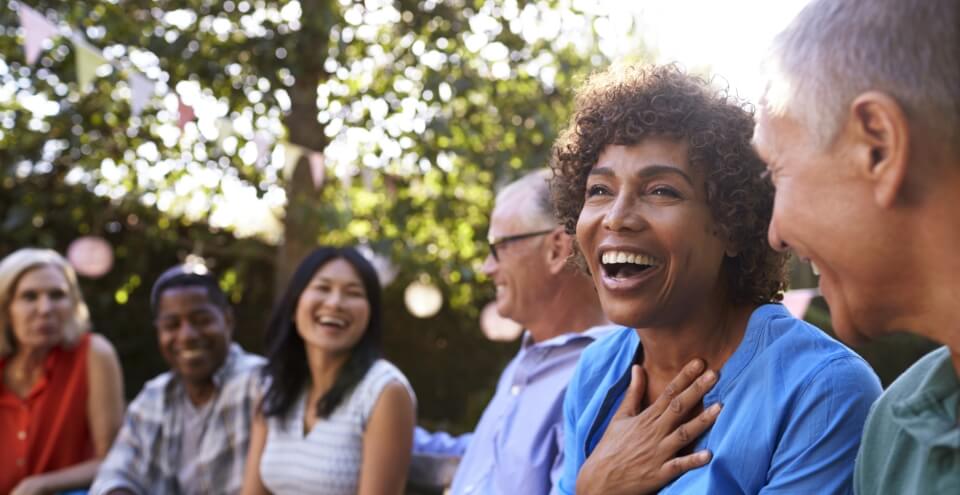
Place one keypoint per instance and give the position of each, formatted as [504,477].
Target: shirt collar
[591,333]
[756,326]
[929,414]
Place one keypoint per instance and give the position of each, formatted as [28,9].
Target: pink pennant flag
[36,30]
[186,113]
[317,168]
[141,89]
[798,300]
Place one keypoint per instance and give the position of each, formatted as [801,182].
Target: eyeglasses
[494,242]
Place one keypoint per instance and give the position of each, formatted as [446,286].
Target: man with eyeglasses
[518,445]
[188,429]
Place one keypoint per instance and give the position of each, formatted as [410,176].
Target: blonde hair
[12,269]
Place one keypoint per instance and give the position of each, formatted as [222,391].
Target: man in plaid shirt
[187,431]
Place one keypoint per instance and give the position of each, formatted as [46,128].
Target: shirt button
[22,435]
[515,390]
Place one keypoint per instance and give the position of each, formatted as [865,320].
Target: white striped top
[326,461]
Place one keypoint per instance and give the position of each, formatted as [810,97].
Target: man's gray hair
[536,183]
[837,49]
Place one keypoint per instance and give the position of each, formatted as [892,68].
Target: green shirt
[911,442]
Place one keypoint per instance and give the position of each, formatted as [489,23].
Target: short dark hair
[187,276]
[287,371]
[625,106]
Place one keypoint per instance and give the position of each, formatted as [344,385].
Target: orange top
[48,429]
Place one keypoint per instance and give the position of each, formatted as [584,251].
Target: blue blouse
[795,401]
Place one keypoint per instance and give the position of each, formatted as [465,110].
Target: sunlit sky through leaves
[729,38]
[725,38]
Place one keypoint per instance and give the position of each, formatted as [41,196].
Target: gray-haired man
[860,127]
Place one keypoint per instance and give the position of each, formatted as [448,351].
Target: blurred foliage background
[421,107]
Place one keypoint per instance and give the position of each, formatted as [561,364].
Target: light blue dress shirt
[517,447]
[795,401]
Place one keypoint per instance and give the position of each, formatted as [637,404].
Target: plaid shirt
[145,458]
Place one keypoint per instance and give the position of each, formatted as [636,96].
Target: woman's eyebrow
[660,169]
[647,171]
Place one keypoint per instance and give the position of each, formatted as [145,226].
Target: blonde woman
[61,397]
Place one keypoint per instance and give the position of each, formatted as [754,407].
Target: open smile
[625,270]
[192,354]
[622,269]
[331,323]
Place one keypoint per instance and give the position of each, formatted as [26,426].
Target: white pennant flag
[224,129]
[318,169]
[367,176]
[291,155]
[36,30]
[141,89]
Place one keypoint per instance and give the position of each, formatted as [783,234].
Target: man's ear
[882,150]
[559,248]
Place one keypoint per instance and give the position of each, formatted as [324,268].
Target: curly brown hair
[622,106]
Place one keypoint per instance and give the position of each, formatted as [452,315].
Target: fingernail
[697,365]
[715,408]
[710,376]
[704,455]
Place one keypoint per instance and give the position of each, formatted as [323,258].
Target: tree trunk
[301,226]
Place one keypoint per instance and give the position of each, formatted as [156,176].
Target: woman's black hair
[287,372]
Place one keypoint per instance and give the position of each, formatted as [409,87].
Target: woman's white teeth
[611,257]
[813,266]
[329,320]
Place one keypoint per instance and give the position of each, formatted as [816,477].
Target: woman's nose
[334,299]
[623,214]
[44,304]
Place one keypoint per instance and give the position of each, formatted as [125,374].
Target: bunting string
[38,30]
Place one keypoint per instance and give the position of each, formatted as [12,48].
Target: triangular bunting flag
[390,184]
[224,129]
[317,168]
[185,113]
[36,30]
[798,300]
[88,60]
[262,140]
[291,155]
[141,89]
[367,176]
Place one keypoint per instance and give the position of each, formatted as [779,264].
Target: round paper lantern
[496,327]
[423,299]
[91,256]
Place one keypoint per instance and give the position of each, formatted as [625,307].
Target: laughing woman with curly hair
[713,387]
